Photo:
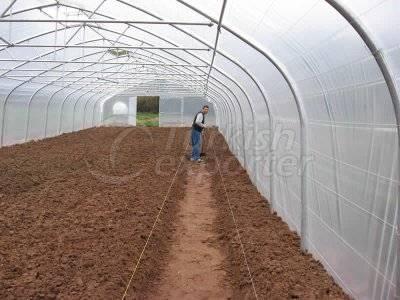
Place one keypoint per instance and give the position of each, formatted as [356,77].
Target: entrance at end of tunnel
[195,268]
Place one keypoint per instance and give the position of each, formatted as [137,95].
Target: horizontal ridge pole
[99,62]
[101,47]
[94,71]
[84,21]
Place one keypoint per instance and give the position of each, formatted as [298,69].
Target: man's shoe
[199,160]
[192,159]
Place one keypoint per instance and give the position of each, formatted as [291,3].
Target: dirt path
[195,268]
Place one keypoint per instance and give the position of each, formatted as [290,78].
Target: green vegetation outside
[146,119]
[148,104]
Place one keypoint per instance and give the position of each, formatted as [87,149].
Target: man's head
[205,109]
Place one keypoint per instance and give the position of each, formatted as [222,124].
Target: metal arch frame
[28,112]
[99,28]
[231,119]
[47,85]
[64,29]
[65,99]
[188,52]
[87,100]
[100,95]
[53,51]
[230,94]
[224,99]
[221,96]
[77,100]
[39,56]
[379,57]
[222,89]
[223,110]
[228,112]
[47,106]
[242,118]
[252,110]
[8,8]
[267,106]
[103,99]
[94,72]
[301,112]
[221,113]
[244,70]
[395,104]
[217,109]
[208,45]
[82,25]
[219,52]
[130,37]
[60,120]
[85,113]
[42,34]
[139,84]
[50,69]
[181,59]
[229,89]
[40,7]
[82,95]
[180,29]
[47,110]
[216,39]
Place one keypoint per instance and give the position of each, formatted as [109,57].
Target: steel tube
[91,21]
[102,47]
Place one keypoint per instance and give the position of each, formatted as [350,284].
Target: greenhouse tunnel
[322,76]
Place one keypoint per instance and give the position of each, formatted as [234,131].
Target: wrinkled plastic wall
[352,158]
[33,112]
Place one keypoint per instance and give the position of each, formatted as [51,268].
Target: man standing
[196,137]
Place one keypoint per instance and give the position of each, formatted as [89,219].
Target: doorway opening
[148,110]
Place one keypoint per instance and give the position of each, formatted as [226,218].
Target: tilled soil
[279,269]
[76,211]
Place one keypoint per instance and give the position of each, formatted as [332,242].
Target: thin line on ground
[154,225]
[236,225]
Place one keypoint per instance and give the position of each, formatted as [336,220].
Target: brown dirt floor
[77,209]
[195,268]
[279,268]
[74,215]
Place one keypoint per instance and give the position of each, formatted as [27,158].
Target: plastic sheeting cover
[273,57]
